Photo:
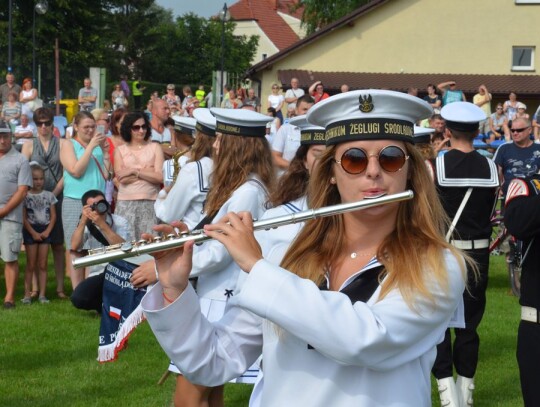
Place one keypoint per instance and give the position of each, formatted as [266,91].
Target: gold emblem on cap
[366,103]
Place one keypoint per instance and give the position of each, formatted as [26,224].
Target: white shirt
[293,93]
[21,129]
[168,169]
[186,198]
[319,349]
[286,141]
[212,263]
[161,138]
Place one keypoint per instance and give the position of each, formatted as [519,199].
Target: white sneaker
[448,392]
[465,387]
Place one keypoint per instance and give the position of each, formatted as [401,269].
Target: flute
[131,249]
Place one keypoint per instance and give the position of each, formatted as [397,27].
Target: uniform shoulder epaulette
[522,187]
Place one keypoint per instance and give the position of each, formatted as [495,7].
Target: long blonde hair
[238,157]
[415,245]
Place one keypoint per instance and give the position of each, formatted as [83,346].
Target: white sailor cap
[206,121]
[370,114]
[184,124]
[462,116]
[4,127]
[240,122]
[422,134]
[309,133]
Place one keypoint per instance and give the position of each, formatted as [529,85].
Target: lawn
[48,357]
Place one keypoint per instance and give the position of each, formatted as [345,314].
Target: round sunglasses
[355,160]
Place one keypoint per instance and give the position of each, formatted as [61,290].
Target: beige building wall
[294,23]
[266,46]
[423,36]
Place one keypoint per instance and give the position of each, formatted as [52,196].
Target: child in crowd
[39,217]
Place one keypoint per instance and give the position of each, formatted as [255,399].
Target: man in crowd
[15,179]
[344,88]
[450,93]
[24,132]
[253,101]
[287,139]
[87,96]
[9,86]
[483,100]
[292,94]
[519,159]
[161,133]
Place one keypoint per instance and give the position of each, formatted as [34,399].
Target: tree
[318,13]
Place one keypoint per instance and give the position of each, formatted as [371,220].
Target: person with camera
[97,228]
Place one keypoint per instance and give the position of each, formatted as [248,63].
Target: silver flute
[131,249]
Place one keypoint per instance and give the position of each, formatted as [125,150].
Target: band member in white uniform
[353,315]
[242,179]
[290,197]
[184,131]
[186,198]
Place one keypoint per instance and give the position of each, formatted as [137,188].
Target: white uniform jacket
[168,169]
[186,198]
[284,234]
[212,263]
[319,348]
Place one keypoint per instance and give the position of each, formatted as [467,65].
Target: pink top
[145,158]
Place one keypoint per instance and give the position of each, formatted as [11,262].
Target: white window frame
[527,1]
[520,67]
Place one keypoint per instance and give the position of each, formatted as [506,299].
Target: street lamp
[224,16]
[41,8]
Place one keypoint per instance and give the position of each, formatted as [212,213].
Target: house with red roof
[276,22]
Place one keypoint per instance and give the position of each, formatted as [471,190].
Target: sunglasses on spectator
[138,127]
[355,160]
[518,130]
[47,123]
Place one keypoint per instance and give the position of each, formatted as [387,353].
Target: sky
[203,8]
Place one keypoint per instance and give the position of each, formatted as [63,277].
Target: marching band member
[354,315]
[186,198]
[467,183]
[184,127]
[241,180]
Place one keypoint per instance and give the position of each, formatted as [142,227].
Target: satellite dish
[41,7]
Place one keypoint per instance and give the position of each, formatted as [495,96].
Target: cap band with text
[205,129]
[369,129]
[237,130]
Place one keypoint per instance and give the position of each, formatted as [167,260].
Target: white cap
[521,105]
[184,124]
[422,134]
[206,121]
[370,114]
[462,116]
[310,134]
[240,122]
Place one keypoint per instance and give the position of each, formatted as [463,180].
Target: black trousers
[463,355]
[528,357]
[89,293]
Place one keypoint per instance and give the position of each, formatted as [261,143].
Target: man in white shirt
[293,94]
[24,132]
[287,139]
[87,96]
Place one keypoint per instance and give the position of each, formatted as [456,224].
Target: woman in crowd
[87,166]
[116,122]
[11,110]
[172,99]
[434,100]
[28,97]
[273,126]
[510,107]
[498,123]
[276,101]
[45,150]
[241,180]
[362,298]
[317,92]
[232,102]
[521,112]
[118,97]
[137,167]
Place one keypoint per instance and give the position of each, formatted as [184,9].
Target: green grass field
[48,357]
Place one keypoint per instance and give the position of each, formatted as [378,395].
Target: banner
[121,311]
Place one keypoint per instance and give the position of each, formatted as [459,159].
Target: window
[523,58]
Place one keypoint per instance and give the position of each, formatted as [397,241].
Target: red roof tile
[265,13]
[496,84]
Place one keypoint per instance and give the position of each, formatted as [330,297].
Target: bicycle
[504,243]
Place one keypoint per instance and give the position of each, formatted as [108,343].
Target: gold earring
[332,180]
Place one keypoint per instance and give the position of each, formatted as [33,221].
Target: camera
[100,207]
